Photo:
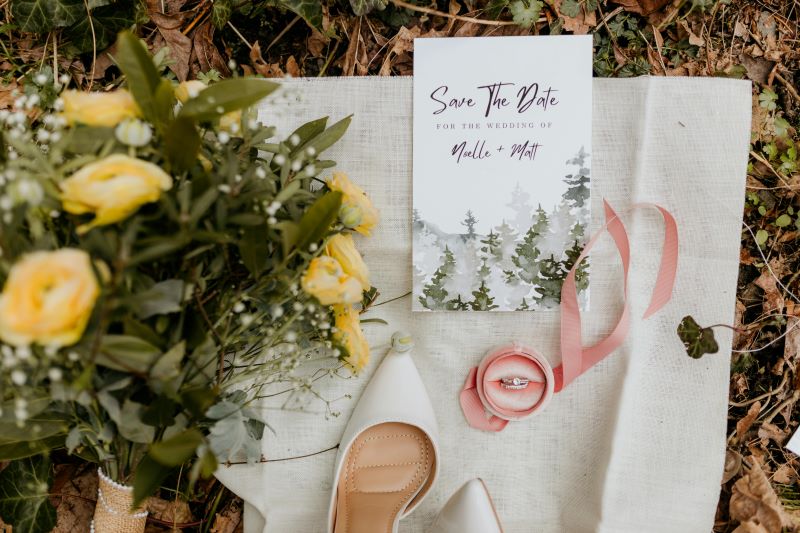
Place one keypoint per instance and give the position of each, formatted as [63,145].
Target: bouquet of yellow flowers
[163,260]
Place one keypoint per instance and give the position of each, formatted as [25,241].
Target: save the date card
[502,159]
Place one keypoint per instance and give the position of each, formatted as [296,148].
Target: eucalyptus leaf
[24,495]
[10,451]
[182,143]
[168,365]
[226,96]
[130,424]
[327,138]
[162,298]
[141,73]
[126,353]
[254,249]
[178,449]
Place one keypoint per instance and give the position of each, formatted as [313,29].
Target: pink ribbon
[489,406]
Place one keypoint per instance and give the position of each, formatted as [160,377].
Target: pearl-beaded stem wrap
[489,406]
[113,513]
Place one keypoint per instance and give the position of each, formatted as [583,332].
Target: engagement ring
[514,383]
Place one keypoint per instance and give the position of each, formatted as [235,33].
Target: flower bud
[351,216]
[133,133]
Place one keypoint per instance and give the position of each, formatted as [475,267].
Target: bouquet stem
[113,512]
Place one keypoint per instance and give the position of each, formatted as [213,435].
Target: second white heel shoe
[389,453]
[469,510]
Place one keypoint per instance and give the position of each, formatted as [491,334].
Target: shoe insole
[385,468]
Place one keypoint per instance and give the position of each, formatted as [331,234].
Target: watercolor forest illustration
[519,265]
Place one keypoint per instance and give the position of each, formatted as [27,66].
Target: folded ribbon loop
[489,405]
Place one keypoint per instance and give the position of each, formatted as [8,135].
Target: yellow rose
[342,248]
[113,188]
[48,298]
[354,199]
[188,89]
[328,283]
[230,122]
[99,109]
[349,335]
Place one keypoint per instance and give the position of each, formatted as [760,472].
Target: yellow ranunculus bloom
[349,335]
[113,188]
[342,248]
[327,282]
[354,197]
[99,109]
[48,298]
[188,89]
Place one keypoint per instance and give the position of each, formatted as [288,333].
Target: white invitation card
[502,159]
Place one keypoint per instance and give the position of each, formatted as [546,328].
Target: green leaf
[106,22]
[169,365]
[10,451]
[783,220]
[148,478]
[570,8]
[254,249]
[126,353]
[525,12]
[761,237]
[318,219]
[310,129]
[130,423]
[141,73]
[221,12]
[39,16]
[310,10]
[176,450]
[47,424]
[327,138]
[159,412]
[697,340]
[198,399]
[182,143]
[362,7]
[162,298]
[24,498]
[226,96]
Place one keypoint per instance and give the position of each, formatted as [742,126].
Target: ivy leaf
[570,8]
[310,10]
[525,12]
[39,16]
[697,340]
[24,501]
[221,12]
[107,21]
[362,7]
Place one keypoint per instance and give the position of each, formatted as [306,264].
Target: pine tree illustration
[434,295]
[551,277]
[482,300]
[484,272]
[520,204]
[578,183]
[582,273]
[416,220]
[469,222]
[492,245]
[523,306]
[457,305]
[526,254]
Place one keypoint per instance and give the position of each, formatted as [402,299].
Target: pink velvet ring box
[508,362]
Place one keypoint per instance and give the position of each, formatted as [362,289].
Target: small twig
[436,12]
[265,460]
[197,19]
[755,155]
[94,43]
[250,46]
[392,299]
[763,396]
[789,86]
[778,408]
[282,33]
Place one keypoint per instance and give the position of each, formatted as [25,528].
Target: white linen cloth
[638,442]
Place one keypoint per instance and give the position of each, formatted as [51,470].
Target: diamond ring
[515,383]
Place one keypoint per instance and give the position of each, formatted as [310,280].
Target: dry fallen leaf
[744,423]
[642,7]
[733,465]
[754,501]
[292,68]
[773,299]
[772,432]
[171,511]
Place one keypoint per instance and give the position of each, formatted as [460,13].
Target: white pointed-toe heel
[469,510]
[389,454]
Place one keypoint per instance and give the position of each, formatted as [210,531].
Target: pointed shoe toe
[469,510]
[389,453]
